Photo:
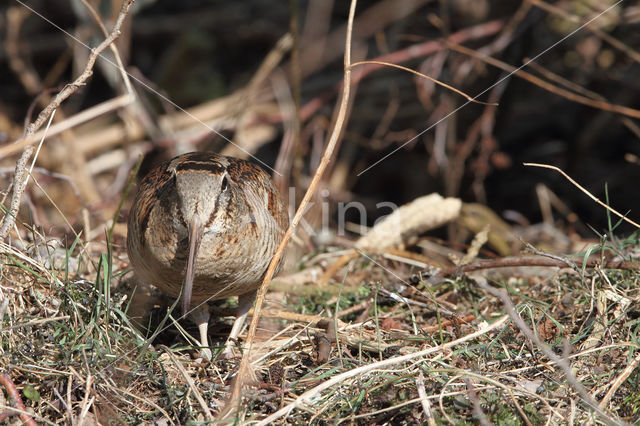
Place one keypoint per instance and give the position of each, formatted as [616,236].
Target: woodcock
[202,227]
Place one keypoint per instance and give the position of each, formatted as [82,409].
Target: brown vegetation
[511,299]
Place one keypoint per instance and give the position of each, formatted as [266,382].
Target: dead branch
[244,367]
[426,406]
[619,381]
[612,41]
[412,52]
[477,409]
[581,188]
[559,361]
[340,378]
[605,106]
[369,22]
[629,124]
[20,176]
[86,145]
[5,380]
[536,261]
[419,74]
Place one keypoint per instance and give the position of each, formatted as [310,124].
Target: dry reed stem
[244,367]
[577,185]
[20,175]
[311,393]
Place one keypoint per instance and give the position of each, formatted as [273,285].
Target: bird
[204,226]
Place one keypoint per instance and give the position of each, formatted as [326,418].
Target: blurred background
[241,78]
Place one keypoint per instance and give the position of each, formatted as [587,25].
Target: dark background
[196,51]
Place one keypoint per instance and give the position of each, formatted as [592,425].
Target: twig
[619,381]
[112,46]
[412,52]
[455,321]
[422,393]
[31,323]
[370,21]
[190,382]
[477,409]
[291,133]
[419,74]
[605,106]
[6,381]
[523,415]
[249,95]
[15,17]
[243,369]
[35,157]
[311,393]
[20,176]
[535,261]
[86,401]
[629,124]
[74,120]
[614,42]
[362,306]
[560,362]
[577,185]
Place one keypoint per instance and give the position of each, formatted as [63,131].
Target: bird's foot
[205,354]
[231,350]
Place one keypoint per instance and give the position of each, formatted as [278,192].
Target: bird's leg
[245,301]
[200,316]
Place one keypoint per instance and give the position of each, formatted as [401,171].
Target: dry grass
[422,331]
[73,352]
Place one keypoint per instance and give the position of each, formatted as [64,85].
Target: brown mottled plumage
[204,226]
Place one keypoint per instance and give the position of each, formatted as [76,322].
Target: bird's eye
[224,184]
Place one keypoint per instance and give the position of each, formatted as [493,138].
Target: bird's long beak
[195,237]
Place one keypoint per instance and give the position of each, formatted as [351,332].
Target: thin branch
[190,382]
[20,176]
[605,106]
[577,185]
[419,74]
[629,124]
[314,392]
[477,409]
[535,261]
[5,380]
[614,42]
[68,123]
[560,362]
[244,368]
[415,51]
[112,46]
[424,400]
[619,381]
